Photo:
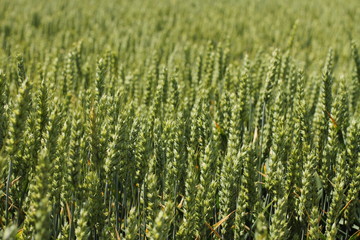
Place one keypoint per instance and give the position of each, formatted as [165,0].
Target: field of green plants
[179,119]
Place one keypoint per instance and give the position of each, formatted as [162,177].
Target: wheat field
[170,119]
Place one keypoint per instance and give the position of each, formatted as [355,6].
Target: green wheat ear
[37,222]
[3,108]
[261,232]
[20,69]
[163,222]
[82,231]
[338,196]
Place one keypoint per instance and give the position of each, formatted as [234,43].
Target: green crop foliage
[179,119]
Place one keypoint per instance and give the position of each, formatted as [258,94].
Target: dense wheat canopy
[170,119]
